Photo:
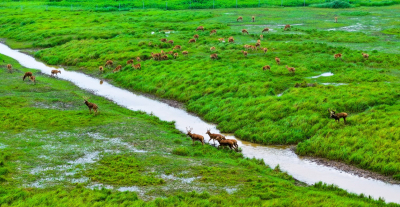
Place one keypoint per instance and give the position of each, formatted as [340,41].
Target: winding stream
[301,169]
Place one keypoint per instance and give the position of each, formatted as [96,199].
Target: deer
[291,69]
[253,18]
[261,37]
[212,48]
[258,44]
[335,19]
[231,40]
[253,47]
[234,141]
[267,67]
[33,79]
[138,59]
[225,142]
[171,42]
[156,56]
[239,18]
[109,63]
[27,74]
[177,47]
[101,82]
[129,61]
[265,50]
[137,66]
[246,46]
[337,116]
[175,55]
[164,57]
[55,72]
[192,40]
[118,68]
[200,28]
[213,136]
[196,36]
[277,60]
[185,53]
[194,137]
[163,40]
[214,56]
[365,55]
[90,106]
[245,31]
[9,67]
[265,30]
[170,52]
[221,40]
[339,55]
[287,27]
[162,52]
[244,53]
[258,41]
[213,32]
[101,69]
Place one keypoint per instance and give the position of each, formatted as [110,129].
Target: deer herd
[231,143]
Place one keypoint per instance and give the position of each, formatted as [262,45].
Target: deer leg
[90,110]
[344,119]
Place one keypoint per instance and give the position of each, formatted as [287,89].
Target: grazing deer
[129,61]
[239,18]
[9,67]
[163,40]
[175,55]
[55,72]
[27,74]
[33,79]
[101,69]
[244,53]
[253,18]
[118,68]
[162,52]
[253,47]
[335,19]
[246,46]
[171,52]
[156,56]
[214,56]
[164,57]
[339,55]
[258,44]
[267,67]
[337,116]
[221,40]
[196,36]
[245,31]
[177,47]
[213,136]
[137,66]
[291,69]
[195,137]
[212,48]
[185,53]
[90,106]
[213,32]
[277,60]
[287,27]
[265,30]
[258,41]
[365,55]
[138,59]
[265,50]
[200,28]
[109,63]
[171,42]
[231,40]
[261,37]
[192,40]
[225,142]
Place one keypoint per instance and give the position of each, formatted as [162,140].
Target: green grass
[233,91]
[50,165]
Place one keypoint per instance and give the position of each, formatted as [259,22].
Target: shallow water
[323,75]
[301,169]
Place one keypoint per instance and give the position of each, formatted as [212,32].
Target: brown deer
[277,60]
[287,27]
[291,69]
[138,59]
[91,106]
[196,36]
[163,40]
[253,47]
[234,142]
[212,48]
[109,63]
[137,66]
[171,52]
[225,142]
[213,32]
[245,31]
[118,68]
[9,67]
[129,61]
[265,50]
[231,40]
[185,53]
[258,44]
[244,53]
[253,18]
[335,19]
[177,47]
[55,72]
[171,42]
[214,56]
[33,79]
[200,28]
[101,82]
[267,67]
[192,40]
[27,74]
[337,116]
[365,55]
[156,56]
[265,30]
[195,137]
[164,57]
[261,37]
[339,55]
[221,39]
[246,46]
[258,41]
[239,18]
[162,52]
[213,136]
[101,69]
[175,55]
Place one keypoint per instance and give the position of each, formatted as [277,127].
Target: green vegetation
[61,166]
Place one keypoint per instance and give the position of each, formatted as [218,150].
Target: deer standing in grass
[101,69]
[91,106]
[291,69]
[245,31]
[337,116]
[212,48]
[9,67]
[137,66]
[365,55]
[267,67]
[118,68]
[213,32]
[109,63]
[225,142]
[138,59]
[221,40]
[185,53]
[258,44]
[265,50]
[129,61]
[244,53]
[171,42]
[339,55]
[27,74]
[213,136]
[196,36]
[265,30]
[287,27]
[253,18]
[335,19]
[194,137]
[177,47]
[231,40]
[163,40]
[239,18]
[214,56]
[55,72]
[277,60]
[192,40]
[33,79]
[200,28]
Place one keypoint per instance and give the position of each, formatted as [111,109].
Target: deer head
[208,131]
[189,131]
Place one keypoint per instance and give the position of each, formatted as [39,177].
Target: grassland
[233,91]
[54,153]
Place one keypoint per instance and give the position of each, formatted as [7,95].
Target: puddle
[183,180]
[130,188]
[230,190]
[334,84]
[279,95]
[327,74]
[2,146]
[90,157]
